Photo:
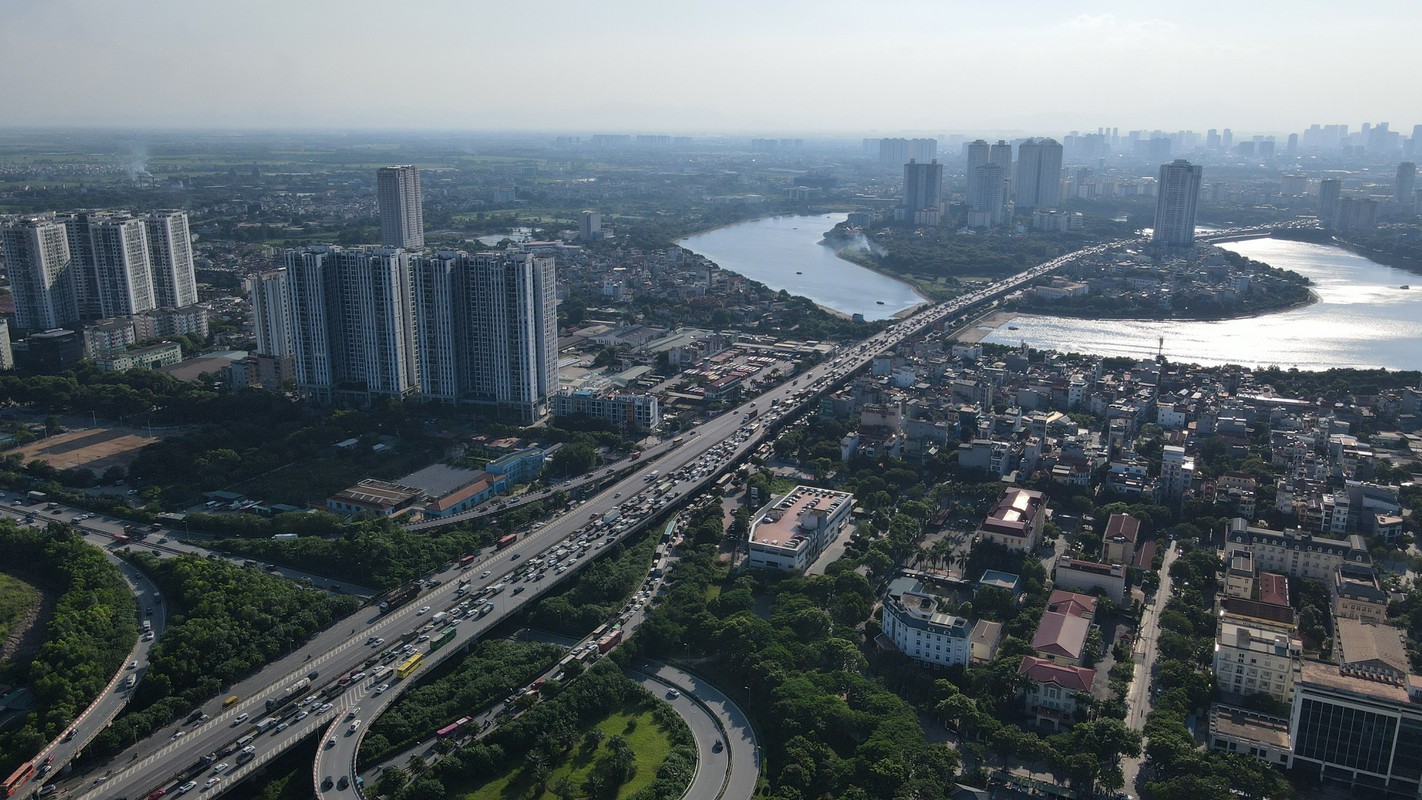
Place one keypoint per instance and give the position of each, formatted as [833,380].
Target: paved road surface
[116,693]
[1138,700]
[159,763]
[742,750]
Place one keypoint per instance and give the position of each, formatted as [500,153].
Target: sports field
[96,449]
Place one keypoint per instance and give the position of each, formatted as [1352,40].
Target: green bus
[443,638]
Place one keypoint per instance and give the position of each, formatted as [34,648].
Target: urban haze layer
[412,465]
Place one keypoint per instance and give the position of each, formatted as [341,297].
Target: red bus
[121,539]
[467,560]
[507,540]
[453,727]
[17,778]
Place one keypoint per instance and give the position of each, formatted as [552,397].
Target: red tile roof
[1145,557]
[1065,602]
[1062,635]
[1040,670]
[1123,528]
[1273,589]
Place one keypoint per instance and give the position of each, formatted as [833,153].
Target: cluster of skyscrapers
[365,323]
[66,268]
[997,184]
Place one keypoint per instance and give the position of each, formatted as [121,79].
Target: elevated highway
[171,758]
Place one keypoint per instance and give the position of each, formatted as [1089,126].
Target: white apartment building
[310,319]
[1252,656]
[624,410]
[121,265]
[915,626]
[402,211]
[111,264]
[41,271]
[448,326]
[791,531]
[377,330]
[1176,472]
[513,308]
[438,316]
[271,312]
[170,253]
[1297,554]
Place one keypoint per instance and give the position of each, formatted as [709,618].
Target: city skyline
[1257,68]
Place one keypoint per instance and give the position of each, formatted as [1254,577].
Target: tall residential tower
[402,213]
[42,273]
[1178,196]
[1039,174]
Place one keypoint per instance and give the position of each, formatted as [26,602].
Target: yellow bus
[409,665]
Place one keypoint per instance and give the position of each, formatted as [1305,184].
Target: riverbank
[1098,315]
[984,326]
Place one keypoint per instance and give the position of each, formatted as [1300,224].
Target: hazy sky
[776,66]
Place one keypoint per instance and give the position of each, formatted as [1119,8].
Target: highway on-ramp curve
[116,693]
[733,770]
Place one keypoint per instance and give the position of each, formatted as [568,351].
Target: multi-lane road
[115,695]
[170,759]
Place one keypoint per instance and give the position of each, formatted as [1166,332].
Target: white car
[211,782]
[486,573]
[240,718]
[381,688]
[323,708]
[220,768]
[302,715]
[423,611]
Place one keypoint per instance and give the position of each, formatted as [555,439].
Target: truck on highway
[399,597]
[651,476]
[611,515]
[609,641]
[506,541]
[288,694]
[266,724]
[37,497]
[285,537]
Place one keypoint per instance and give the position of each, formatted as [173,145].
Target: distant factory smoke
[138,161]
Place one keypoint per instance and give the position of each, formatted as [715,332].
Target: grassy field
[643,735]
[16,599]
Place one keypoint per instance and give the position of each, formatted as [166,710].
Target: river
[1362,319]
[785,253]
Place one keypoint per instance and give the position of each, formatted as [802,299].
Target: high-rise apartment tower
[1178,196]
[402,214]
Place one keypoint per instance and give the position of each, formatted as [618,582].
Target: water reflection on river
[784,253]
[1362,319]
